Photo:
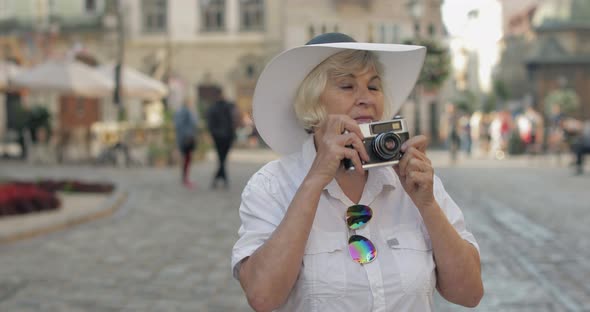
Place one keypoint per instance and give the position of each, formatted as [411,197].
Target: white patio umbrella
[136,84]
[65,77]
[7,72]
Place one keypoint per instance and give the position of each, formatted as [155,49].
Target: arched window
[155,15]
[212,15]
[251,15]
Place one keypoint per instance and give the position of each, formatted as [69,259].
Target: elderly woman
[318,237]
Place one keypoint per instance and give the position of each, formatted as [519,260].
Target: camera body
[383,141]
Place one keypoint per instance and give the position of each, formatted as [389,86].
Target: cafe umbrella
[65,77]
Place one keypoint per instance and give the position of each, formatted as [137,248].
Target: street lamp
[416,9]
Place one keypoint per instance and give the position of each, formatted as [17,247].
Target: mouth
[363,119]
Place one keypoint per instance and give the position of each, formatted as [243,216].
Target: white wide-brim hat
[274,96]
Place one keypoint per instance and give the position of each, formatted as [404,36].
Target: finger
[403,162]
[349,138]
[354,157]
[412,156]
[415,153]
[414,164]
[352,126]
[333,124]
[419,142]
[398,172]
[419,179]
[418,165]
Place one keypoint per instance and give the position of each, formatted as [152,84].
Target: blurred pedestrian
[465,133]
[185,123]
[221,121]
[500,129]
[535,139]
[556,140]
[581,146]
[452,127]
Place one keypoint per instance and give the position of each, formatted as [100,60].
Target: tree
[466,101]
[436,67]
[567,99]
[496,100]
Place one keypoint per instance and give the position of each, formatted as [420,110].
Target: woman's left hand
[416,173]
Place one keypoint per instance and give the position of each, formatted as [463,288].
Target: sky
[455,14]
[479,35]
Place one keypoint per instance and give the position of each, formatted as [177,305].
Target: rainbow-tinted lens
[361,249]
[358,215]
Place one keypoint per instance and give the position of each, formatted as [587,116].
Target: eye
[346,87]
[374,88]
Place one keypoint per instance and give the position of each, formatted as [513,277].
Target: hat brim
[273,112]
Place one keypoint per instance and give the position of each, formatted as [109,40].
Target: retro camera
[383,141]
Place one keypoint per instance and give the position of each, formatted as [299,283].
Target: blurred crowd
[512,132]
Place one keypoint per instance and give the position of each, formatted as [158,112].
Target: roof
[554,15]
[550,51]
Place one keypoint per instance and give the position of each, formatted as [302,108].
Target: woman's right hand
[331,139]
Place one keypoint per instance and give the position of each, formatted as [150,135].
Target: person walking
[221,123]
[185,124]
[581,146]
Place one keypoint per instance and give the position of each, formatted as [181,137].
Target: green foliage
[121,113]
[437,65]
[567,99]
[501,90]
[490,103]
[466,101]
[21,118]
[39,117]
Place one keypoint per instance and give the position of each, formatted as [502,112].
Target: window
[431,30]
[250,71]
[251,14]
[155,14]
[90,6]
[416,29]
[213,15]
[80,107]
[388,33]
[5,8]
[310,32]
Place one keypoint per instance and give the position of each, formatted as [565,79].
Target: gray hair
[308,109]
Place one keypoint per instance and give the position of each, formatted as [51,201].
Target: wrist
[428,208]
[314,182]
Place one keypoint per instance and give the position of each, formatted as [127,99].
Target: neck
[352,183]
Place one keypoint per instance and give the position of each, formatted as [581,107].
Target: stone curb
[33,227]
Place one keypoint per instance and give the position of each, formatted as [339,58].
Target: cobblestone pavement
[168,248]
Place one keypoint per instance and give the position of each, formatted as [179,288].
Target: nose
[365,97]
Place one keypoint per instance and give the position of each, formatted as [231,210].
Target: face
[358,95]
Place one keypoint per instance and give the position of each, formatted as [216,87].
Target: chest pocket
[323,273]
[414,258]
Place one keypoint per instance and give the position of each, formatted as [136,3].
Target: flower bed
[74,186]
[18,199]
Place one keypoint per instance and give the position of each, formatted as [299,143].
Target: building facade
[546,48]
[212,46]
[561,54]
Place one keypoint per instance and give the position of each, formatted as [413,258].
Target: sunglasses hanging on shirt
[361,249]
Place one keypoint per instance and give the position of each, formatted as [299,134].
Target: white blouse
[401,278]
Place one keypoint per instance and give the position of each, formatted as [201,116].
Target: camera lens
[386,145]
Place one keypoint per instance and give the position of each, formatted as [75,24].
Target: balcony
[343,4]
[82,23]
